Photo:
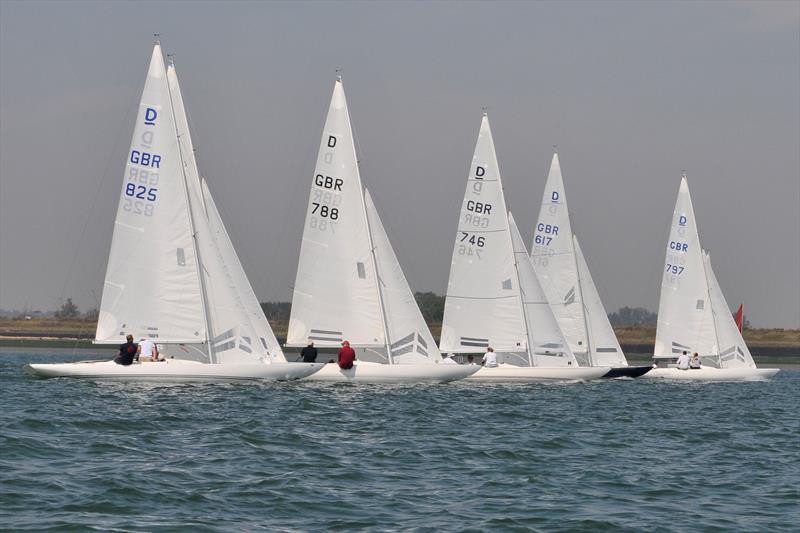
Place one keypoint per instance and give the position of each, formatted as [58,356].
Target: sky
[632,93]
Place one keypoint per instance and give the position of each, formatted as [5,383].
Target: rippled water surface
[621,455]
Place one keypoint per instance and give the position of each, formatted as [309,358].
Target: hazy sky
[630,92]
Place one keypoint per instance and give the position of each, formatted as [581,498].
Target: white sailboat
[562,269]
[349,283]
[693,315]
[173,275]
[493,295]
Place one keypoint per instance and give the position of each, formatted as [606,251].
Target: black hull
[627,372]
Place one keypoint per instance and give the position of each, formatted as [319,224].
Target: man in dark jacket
[127,352]
[346,356]
[309,353]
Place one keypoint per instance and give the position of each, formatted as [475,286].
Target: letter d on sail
[554,197]
[480,172]
[682,220]
[331,141]
[150,115]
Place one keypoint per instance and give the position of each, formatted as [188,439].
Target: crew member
[309,353]
[489,358]
[683,361]
[148,350]
[127,352]
[346,356]
[695,362]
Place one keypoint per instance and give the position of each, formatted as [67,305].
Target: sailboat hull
[175,370]
[367,372]
[511,373]
[713,374]
[628,371]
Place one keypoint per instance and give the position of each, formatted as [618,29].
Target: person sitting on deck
[309,353]
[489,358]
[683,361]
[346,356]
[695,362]
[148,351]
[127,352]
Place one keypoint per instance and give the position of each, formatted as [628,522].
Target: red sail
[740,317]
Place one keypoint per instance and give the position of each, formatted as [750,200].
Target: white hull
[175,370]
[713,374]
[511,373]
[366,372]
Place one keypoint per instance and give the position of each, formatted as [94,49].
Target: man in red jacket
[346,356]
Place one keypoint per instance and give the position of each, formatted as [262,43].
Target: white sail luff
[152,288]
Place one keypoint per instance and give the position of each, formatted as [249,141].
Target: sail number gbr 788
[326,197]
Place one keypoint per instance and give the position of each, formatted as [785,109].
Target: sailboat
[349,284]
[173,275]
[693,315]
[493,295]
[562,269]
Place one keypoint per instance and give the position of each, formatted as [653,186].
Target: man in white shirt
[149,350]
[683,361]
[489,358]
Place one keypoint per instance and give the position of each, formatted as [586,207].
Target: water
[622,455]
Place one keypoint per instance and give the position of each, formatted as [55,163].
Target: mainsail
[152,285]
[224,313]
[336,270]
[483,302]
[685,320]
[565,276]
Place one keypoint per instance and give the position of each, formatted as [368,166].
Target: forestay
[553,258]
[685,320]
[410,340]
[733,352]
[605,347]
[336,292]
[152,286]
[483,306]
[547,345]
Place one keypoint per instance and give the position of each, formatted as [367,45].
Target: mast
[522,303]
[203,290]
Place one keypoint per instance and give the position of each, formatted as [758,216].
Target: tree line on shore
[431,305]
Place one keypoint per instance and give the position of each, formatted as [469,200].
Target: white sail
[605,347]
[410,340]
[483,305]
[685,320]
[152,286]
[242,330]
[733,352]
[553,258]
[237,325]
[548,346]
[336,293]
